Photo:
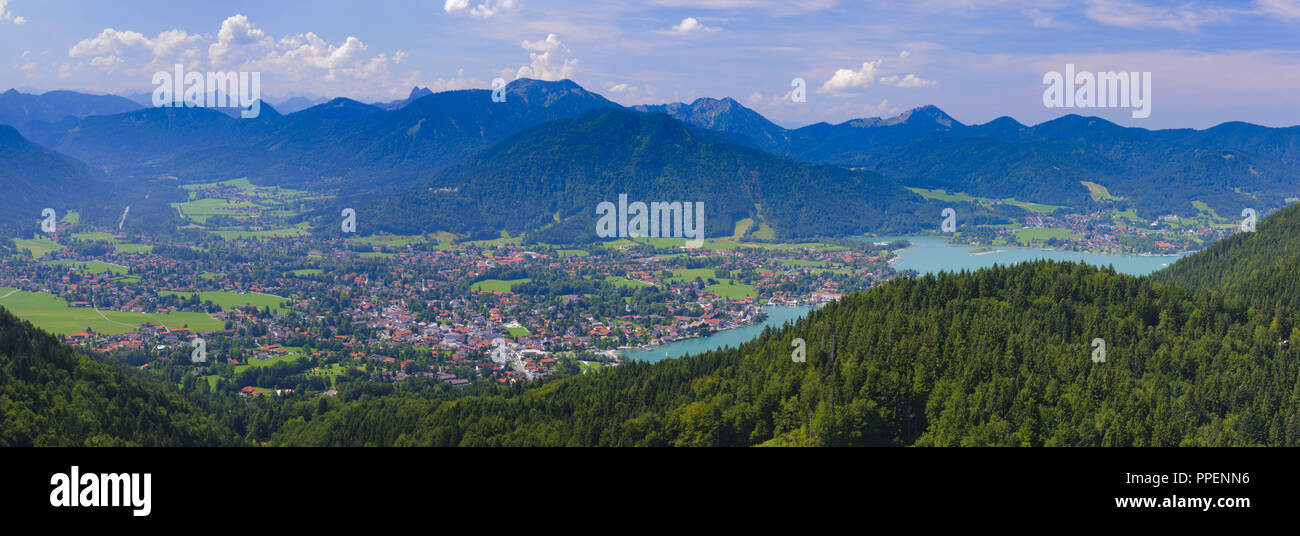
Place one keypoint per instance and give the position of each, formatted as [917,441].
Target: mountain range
[432,140]
[35,178]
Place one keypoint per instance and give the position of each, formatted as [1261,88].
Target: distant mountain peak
[928,116]
[417,92]
[924,114]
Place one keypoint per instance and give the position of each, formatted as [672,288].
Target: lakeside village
[1104,232]
[279,314]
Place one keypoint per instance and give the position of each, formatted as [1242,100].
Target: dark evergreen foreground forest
[1198,354]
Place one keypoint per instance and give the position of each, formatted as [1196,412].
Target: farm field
[134,248]
[230,300]
[731,289]
[92,267]
[51,313]
[496,285]
[37,247]
[95,237]
[1025,236]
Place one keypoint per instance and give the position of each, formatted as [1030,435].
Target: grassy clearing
[37,247]
[1033,207]
[1099,192]
[133,248]
[230,300]
[391,240]
[497,285]
[518,331]
[689,274]
[52,313]
[1205,209]
[1026,236]
[92,267]
[743,226]
[200,210]
[941,195]
[732,290]
[96,237]
[625,282]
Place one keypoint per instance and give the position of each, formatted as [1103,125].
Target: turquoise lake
[928,254]
[932,254]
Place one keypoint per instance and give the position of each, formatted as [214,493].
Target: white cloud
[908,81]
[345,67]
[1286,9]
[238,41]
[692,24]
[114,47]
[107,63]
[6,15]
[1131,14]
[849,79]
[622,88]
[549,60]
[483,10]
[460,81]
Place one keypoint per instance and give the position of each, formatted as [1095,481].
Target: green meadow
[95,237]
[496,285]
[37,247]
[93,267]
[230,300]
[133,248]
[53,314]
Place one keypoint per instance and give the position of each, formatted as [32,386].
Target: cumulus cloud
[1132,14]
[846,80]
[239,45]
[482,10]
[111,48]
[908,81]
[238,41]
[622,88]
[692,25]
[8,16]
[549,60]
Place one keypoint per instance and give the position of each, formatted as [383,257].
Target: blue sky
[977,59]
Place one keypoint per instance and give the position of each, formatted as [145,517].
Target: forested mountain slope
[33,178]
[51,395]
[555,174]
[1262,268]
